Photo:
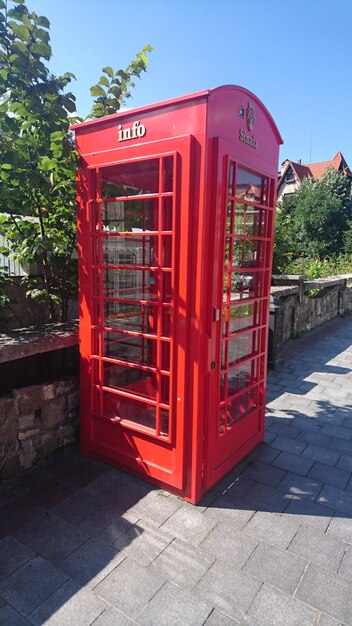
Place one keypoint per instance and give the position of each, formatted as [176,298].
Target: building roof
[316,170]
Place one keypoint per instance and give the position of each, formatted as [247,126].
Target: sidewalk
[82,543]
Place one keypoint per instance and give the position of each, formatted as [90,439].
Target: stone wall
[35,421]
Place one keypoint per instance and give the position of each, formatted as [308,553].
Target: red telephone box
[175,220]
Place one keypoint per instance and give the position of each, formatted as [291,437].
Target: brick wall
[35,421]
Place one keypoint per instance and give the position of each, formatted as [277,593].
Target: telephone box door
[241,290]
[134,403]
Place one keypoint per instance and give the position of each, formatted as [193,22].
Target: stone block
[91,563]
[276,529]
[26,453]
[30,585]
[327,591]
[66,385]
[49,392]
[13,554]
[179,605]
[49,442]
[26,421]
[7,410]
[272,607]
[276,567]
[138,583]
[53,412]
[315,546]
[293,463]
[189,524]
[73,400]
[28,399]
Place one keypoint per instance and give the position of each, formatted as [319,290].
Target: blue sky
[295,55]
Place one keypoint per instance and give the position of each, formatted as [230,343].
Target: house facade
[292,173]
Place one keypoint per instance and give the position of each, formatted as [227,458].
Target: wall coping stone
[23,342]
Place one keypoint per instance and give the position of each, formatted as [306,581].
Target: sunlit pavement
[271,545]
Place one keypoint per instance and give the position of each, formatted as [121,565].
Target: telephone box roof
[180,100]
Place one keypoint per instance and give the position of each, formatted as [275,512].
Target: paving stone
[327,591]
[228,589]
[182,563]
[129,587]
[309,514]
[314,546]
[346,565]
[142,543]
[216,618]
[300,486]
[239,488]
[276,567]
[306,423]
[341,527]
[30,585]
[293,463]
[35,526]
[269,436]
[330,475]
[69,605]
[229,544]
[318,453]
[337,431]
[173,606]
[336,498]
[91,562]
[276,529]
[59,540]
[155,506]
[10,617]
[77,507]
[285,444]
[13,554]
[290,430]
[109,523]
[341,445]
[272,607]
[315,437]
[113,617]
[326,620]
[189,524]
[263,473]
[264,453]
[265,498]
[223,508]
[345,462]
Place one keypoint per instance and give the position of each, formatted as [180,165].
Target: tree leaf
[97,91]
[108,70]
[41,49]
[41,20]
[104,81]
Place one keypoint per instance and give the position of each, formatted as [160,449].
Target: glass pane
[239,378]
[240,317]
[238,407]
[168,174]
[167,214]
[130,251]
[130,284]
[246,253]
[129,409]
[250,186]
[130,179]
[239,227]
[164,422]
[244,286]
[231,178]
[129,216]
[130,379]
[137,350]
[140,318]
[166,251]
[242,346]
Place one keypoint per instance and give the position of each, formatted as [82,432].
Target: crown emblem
[250,115]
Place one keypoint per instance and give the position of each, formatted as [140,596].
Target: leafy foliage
[39,162]
[314,222]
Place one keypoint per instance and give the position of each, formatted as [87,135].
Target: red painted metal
[175,223]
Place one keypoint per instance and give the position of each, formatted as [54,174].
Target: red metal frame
[171,226]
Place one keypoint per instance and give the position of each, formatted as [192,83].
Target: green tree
[39,162]
[314,221]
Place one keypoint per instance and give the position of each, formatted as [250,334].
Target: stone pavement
[82,543]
